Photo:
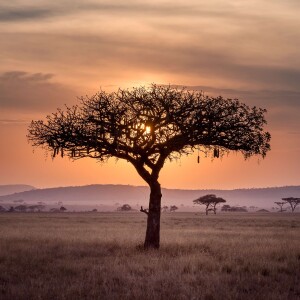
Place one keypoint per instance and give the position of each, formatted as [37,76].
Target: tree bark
[206,209]
[153,221]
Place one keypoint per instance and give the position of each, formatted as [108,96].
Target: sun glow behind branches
[148,129]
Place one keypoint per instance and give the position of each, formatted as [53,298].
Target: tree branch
[146,211]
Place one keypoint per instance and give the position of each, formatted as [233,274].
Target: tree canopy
[293,202]
[147,126]
[210,201]
[280,204]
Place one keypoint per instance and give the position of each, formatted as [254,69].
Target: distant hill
[133,195]
[104,194]
[14,188]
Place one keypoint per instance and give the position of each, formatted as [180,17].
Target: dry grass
[95,256]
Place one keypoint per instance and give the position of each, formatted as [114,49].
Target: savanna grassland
[97,256]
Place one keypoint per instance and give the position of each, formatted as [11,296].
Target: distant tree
[21,208]
[165,208]
[252,207]
[225,207]
[146,127]
[210,201]
[35,208]
[94,210]
[280,204]
[238,209]
[11,209]
[293,202]
[54,210]
[173,208]
[62,209]
[125,207]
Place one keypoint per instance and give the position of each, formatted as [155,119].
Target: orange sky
[53,52]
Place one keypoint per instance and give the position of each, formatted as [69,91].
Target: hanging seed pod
[198,160]
[62,152]
[54,153]
[216,153]
[88,150]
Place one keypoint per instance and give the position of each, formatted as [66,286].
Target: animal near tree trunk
[153,221]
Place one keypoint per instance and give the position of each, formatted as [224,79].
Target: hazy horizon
[145,185]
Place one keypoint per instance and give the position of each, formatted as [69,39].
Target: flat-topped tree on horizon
[280,204]
[146,127]
[210,201]
[292,201]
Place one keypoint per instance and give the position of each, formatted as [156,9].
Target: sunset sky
[52,52]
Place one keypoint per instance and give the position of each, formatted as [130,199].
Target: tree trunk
[206,209]
[153,221]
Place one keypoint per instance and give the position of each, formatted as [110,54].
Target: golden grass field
[97,256]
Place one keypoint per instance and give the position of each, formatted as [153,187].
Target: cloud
[14,121]
[13,14]
[46,9]
[15,11]
[277,98]
[215,41]
[22,91]
[19,13]
[217,44]
[24,76]
[104,53]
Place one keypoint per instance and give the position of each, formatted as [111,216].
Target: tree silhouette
[225,207]
[280,204]
[210,201]
[147,126]
[165,208]
[124,207]
[173,208]
[293,202]
[62,209]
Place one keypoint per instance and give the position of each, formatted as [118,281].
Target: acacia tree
[164,208]
[173,208]
[280,204]
[147,126]
[293,202]
[124,207]
[225,207]
[210,201]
